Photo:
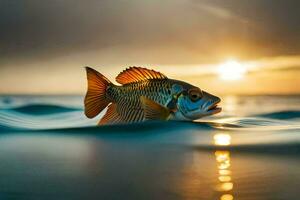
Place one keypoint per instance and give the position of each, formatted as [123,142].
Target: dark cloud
[275,22]
[35,29]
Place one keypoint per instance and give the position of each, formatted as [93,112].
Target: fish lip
[214,111]
[214,108]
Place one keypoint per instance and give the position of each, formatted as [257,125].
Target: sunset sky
[44,45]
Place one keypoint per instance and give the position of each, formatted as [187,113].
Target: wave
[254,123]
[81,125]
[195,135]
[289,114]
[42,109]
[11,119]
[73,122]
[153,126]
[61,118]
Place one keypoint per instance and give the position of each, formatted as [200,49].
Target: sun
[231,70]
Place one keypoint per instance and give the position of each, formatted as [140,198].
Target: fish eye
[195,94]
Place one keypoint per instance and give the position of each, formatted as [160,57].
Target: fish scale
[127,97]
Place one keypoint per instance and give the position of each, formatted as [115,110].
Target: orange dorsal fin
[136,74]
[111,116]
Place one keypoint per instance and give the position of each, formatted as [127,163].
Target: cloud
[219,12]
[263,65]
[51,28]
[39,39]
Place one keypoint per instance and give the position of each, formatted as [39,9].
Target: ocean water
[50,150]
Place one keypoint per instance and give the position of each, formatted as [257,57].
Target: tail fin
[95,100]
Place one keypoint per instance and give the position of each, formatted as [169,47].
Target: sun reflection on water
[222,139]
[225,184]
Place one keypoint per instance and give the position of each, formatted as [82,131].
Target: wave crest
[56,118]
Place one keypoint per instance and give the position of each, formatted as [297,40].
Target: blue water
[50,150]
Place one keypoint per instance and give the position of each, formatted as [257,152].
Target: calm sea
[49,150]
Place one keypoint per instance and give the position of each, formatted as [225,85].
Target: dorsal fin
[136,74]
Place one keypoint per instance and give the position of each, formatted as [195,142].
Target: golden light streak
[225,184]
[224,172]
[226,197]
[224,178]
[225,187]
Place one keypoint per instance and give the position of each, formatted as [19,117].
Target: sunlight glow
[222,139]
[226,197]
[231,70]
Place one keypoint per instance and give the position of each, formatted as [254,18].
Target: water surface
[49,150]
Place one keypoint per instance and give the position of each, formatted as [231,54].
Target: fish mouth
[214,108]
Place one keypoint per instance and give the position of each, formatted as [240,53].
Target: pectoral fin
[153,110]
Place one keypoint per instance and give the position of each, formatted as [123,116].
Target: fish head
[194,103]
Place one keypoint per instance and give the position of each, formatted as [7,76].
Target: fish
[145,94]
